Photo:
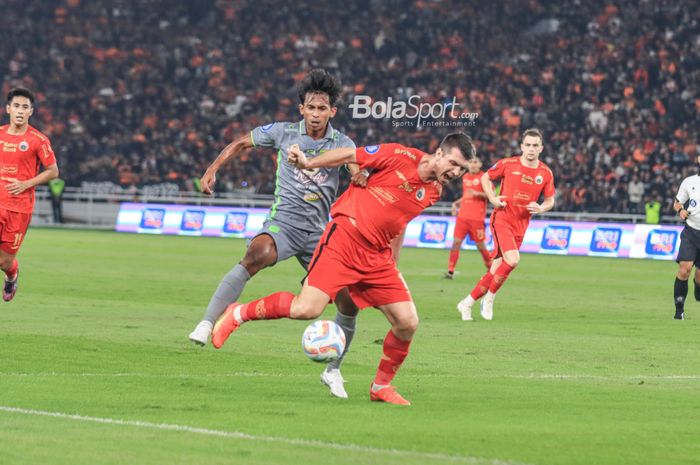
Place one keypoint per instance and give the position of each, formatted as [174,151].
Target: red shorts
[344,258]
[504,238]
[475,229]
[13,226]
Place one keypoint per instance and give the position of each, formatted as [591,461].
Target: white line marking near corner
[252,437]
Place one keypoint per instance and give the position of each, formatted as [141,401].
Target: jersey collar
[329,130]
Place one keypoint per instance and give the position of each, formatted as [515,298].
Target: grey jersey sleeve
[269,135]
[345,141]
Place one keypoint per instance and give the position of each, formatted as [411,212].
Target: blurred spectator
[143,93]
[635,191]
[653,209]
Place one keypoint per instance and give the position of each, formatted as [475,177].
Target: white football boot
[465,308]
[201,333]
[334,380]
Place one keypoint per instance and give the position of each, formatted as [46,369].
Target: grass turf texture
[582,364]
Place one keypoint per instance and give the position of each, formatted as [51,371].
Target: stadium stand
[148,92]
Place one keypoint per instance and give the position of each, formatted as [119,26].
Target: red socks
[272,307]
[395,352]
[12,272]
[452,262]
[482,287]
[486,257]
[500,276]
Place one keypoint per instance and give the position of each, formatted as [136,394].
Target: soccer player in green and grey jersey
[301,208]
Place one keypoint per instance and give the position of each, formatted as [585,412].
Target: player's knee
[407,326]
[5,262]
[512,261]
[684,271]
[301,310]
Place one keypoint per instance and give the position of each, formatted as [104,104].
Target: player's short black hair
[20,92]
[460,140]
[319,81]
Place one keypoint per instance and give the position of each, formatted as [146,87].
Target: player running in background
[689,250]
[470,220]
[355,251]
[24,150]
[300,210]
[523,179]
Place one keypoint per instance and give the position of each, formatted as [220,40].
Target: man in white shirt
[687,205]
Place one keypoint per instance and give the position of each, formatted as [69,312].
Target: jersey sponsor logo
[606,240]
[661,242]
[405,152]
[9,147]
[192,220]
[23,146]
[267,127]
[525,179]
[433,231]
[235,222]
[556,237]
[152,218]
[372,149]
[311,197]
[310,176]
[407,187]
[6,168]
[420,195]
[539,179]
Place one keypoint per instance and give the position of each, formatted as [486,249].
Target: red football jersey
[472,206]
[394,194]
[520,185]
[20,158]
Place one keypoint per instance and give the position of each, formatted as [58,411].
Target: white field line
[255,374]
[252,437]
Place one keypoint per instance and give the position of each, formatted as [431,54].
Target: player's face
[449,165]
[531,147]
[474,165]
[20,109]
[317,111]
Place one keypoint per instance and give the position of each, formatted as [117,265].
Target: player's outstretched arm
[16,187]
[330,159]
[208,180]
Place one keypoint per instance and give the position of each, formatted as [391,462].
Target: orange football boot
[225,325]
[388,395]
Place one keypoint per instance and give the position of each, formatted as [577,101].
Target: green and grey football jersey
[303,198]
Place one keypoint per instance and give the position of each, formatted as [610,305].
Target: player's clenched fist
[296,157]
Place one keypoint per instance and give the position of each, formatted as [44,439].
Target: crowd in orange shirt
[139,93]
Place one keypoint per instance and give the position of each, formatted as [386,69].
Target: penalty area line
[252,437]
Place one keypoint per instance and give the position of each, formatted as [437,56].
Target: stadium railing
[95,208]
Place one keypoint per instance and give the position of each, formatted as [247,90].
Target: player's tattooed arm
[208,180]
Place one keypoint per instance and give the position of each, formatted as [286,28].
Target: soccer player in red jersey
[523,179]
[472,212]
[23,150]
[355,252]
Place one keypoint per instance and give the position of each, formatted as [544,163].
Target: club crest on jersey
[267,127]
[420,195]
[476,182]
[538,179]
[693,203]
[23,146]
[372,149]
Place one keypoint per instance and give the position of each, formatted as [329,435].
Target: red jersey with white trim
[394,194]
[520,185]
[20,158]
[472,206]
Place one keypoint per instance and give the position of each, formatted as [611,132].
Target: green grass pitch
[582,364]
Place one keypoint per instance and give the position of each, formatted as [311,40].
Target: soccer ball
[323,341]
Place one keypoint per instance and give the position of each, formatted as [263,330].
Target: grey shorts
[291,242]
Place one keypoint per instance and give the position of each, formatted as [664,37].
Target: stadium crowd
[149,91]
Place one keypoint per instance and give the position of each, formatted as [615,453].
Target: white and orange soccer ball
[323,341]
